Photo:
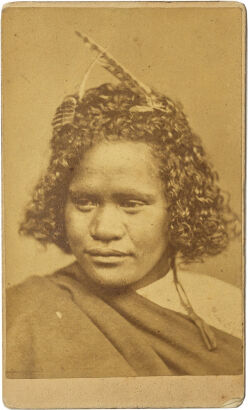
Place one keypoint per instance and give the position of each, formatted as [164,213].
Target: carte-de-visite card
[123,165]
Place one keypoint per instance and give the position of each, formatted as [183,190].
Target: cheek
[76,225]
[151,228]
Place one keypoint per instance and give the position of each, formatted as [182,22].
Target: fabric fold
[74,328]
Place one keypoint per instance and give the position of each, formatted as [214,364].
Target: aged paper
[123,163]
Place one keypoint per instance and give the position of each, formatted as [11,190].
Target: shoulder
[32,297]
[23,296]
[217,302]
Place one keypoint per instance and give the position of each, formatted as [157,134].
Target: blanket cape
[63,325]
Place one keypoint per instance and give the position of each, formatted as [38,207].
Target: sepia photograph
[123,166]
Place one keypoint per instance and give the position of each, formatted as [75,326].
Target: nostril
[106,235]
[107,225]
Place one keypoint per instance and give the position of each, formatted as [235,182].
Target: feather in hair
[115,68]
[66,111]
[86,75]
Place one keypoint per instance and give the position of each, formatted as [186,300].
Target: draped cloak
[63,325]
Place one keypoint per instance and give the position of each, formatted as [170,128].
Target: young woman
[127,190]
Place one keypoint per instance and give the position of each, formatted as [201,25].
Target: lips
[106,252]
[107,258]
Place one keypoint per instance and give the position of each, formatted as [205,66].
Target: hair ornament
[86,75]
[108,62]
[66,111]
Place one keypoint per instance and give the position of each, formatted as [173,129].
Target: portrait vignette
[42,70]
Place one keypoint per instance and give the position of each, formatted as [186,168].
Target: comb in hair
[65,113]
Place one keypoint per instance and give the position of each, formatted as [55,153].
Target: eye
[132,205]
[85,205]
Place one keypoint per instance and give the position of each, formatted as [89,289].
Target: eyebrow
[128,193]
[133,194]
[78,194]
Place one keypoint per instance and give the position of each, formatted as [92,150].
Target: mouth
[106,252]
[107,256]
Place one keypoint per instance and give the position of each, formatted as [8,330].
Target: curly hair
[200,217]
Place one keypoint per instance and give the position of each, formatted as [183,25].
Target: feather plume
[114,67]
[65,113]
[86,75]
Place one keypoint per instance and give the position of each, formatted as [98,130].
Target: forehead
[117,163]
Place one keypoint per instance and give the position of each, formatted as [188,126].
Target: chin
[107,278]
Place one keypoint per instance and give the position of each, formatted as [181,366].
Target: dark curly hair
[201,221]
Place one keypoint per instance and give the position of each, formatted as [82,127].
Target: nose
[106,224]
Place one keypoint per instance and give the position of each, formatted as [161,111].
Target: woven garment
[62,326]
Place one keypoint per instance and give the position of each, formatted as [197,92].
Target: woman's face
[116,213]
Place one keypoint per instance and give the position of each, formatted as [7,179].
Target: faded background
[193,55]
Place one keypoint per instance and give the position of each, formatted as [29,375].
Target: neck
[160,270]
